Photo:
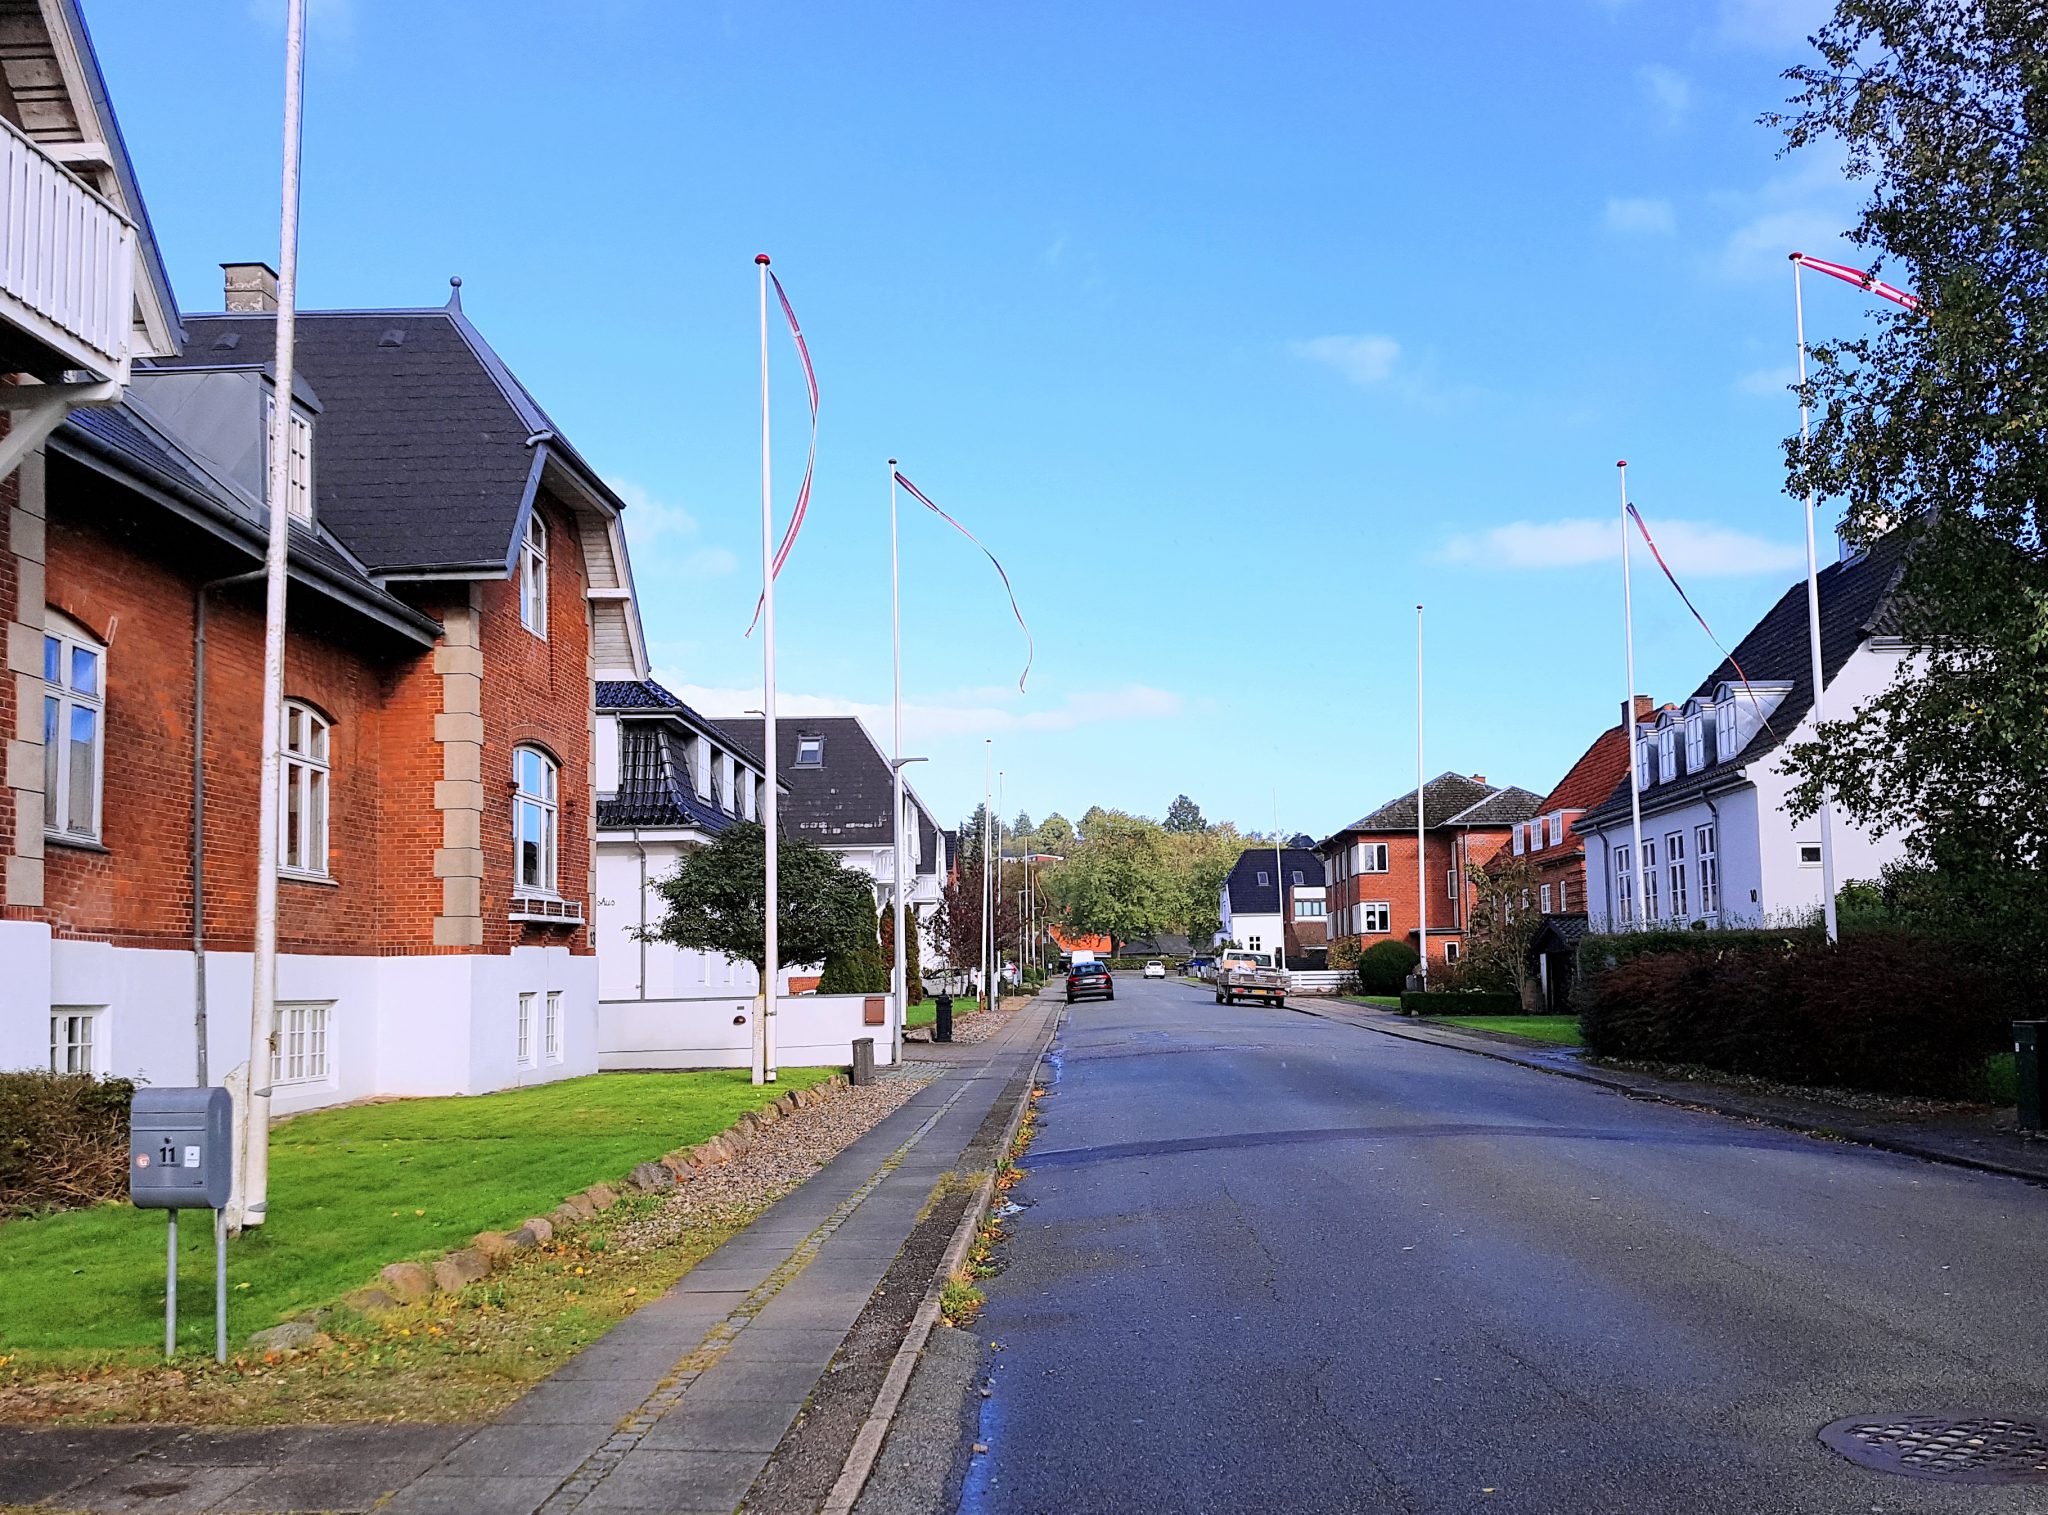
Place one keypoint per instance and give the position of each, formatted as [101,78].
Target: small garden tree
[1383,968]
[913,969]
[1502,929]
[863,966]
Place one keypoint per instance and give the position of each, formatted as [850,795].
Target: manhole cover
[1946,1448]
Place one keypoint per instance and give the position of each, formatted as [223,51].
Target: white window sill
[299,876]
[73,840]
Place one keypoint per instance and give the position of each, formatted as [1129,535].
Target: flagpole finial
[762,259]
[892,462]
[1795,257]
[1621,463]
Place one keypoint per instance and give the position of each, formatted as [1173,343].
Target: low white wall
[811,1030]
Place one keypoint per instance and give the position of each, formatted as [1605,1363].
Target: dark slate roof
[841,802]
[1444,798]
[1560,933]
[426,442]
[1250,897]
[927,843]
[122,442]
[635,694]
[655,787]
[1502,808]
[1856,603]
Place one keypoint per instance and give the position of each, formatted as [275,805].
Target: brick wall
[1397,885]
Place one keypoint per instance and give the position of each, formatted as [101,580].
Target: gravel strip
[988,1023]
[782,1156]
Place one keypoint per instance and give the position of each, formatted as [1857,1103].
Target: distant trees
[1184,816]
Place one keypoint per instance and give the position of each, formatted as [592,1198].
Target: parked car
[1242,975]
[1155,969]
[1089,981]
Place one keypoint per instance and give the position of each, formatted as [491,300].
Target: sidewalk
[676,1409]
[1986,1141]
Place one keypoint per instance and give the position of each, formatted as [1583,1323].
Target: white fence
[1325,982]
[811,1031]
[67,260]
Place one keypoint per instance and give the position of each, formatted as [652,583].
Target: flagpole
[252,1175]
[1421,835]
[900,973]
[1820,711]
[996,890]
[1628,709]
[988,760]
[764,1035]
[1280,879]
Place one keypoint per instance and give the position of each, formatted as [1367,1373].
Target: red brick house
[458,582]
[1371,863]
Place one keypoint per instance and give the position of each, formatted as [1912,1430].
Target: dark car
[1089,981]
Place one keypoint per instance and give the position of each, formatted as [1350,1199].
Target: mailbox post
[181,1157]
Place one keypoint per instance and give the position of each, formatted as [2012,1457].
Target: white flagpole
[252,1176]
[1628,705]
[987,919]
[764,1034]
[1279,879]
[900,974]
[1820,709]
[1421,834]
[996,893]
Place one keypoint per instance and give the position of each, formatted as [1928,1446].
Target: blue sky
[1235,330]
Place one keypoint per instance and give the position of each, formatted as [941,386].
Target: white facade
[1763,869]
[438,1024]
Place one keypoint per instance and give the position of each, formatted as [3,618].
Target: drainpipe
[1720,914]
[199,810]
[641,938]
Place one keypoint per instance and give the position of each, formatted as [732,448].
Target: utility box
[180,1149]
[863,1060]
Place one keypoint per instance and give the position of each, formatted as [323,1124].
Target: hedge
[1383,968]
[63,1140]
[1459,1002]
[1888,1012]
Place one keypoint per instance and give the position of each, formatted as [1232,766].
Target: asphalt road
[1272,1263]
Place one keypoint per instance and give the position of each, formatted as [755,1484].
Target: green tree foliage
[1115,880]
[1055,834]
[860,967]
[1383,968]
[913,967]
[1184,815]
[1501,928]
[1022,830]
[1931,427]
[1197,864]
[715,898]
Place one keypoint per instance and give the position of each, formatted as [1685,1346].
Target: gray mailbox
[180,1148]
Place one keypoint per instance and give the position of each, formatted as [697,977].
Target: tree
[956,925]
[1197,864]
[1021,828]
[1930,429]
[1114,882]
[861,966]
[1501,928]
[913,967]
[1184,815]
[1055,834]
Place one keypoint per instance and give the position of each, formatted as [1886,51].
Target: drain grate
[1946,1448]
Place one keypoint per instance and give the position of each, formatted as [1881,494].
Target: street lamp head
[902,763]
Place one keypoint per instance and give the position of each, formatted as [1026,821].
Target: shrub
[1884,1011]
[63,1140]
[862,968]
[1344,953]
[1383,968]
[1465,1002]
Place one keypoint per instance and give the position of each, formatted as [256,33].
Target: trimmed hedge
[1459,1002]
[1887,1012]
[63,1140]
[1383,968]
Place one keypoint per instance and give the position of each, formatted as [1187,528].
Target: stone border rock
[409,1283]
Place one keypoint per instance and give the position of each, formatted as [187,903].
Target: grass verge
[1380,1001]
[351,1190]
[2002,1075]
[1561,1029]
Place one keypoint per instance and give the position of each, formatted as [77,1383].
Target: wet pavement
[1270,1261]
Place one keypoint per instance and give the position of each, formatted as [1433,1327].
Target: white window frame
[1707,857]
[1375,918]
[1450,951]
[1674,872]
[1624,885]
[302,1045]
[1667,754]
[545,807]
[1450,883]
[1518,839]
[1809,854]
[77,1040]
[551,1027]
[1372,857]
[523,1043]
[1727,728]
[1642,762]
[307,773]
[1544,893]
[1265,879]
[1695,743]
[533,576]
[1650,889]
[1564,896]
[810,751]
[298,480]
[64,641]
[1556,828]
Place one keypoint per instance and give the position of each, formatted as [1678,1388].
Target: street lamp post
[899,974]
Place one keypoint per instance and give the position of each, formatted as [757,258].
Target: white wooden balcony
[67,269]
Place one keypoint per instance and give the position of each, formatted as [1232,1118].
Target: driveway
[1269,1262]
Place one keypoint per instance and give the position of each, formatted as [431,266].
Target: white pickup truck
[1242,975]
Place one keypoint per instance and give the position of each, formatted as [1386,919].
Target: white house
[1718,843]
[1261,911]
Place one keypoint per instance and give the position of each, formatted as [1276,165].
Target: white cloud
[1772,383]
[1638,217]
[972,713]
[1695,549]
[1363,359]
[662,538]
[1669,91]
[1805,208]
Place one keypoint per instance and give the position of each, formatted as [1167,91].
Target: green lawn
[924,1012]
[2002,1072]
[1383,1001]
[1563,1029]
[351,1190]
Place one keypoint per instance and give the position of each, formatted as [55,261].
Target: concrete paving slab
[330,1488]
[439,1495]
[159,1487]
[674,1480]
[808,1309]
[523,1451]
[792,1344]
[26,1480]
[768,1379]
[571,1402]
[723,1425]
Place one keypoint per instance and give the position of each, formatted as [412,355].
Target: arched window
[74,726]
[535,819]
[533,577]
[304,812]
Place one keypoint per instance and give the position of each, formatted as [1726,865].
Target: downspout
[199,811]
[1720,894]
[640,936]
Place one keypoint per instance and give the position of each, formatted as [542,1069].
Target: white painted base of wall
[440,1024]
[811,1031]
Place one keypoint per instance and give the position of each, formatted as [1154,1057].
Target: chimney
[1478,778]
[250,286]
[1645,709]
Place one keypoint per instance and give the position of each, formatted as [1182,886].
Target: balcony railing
[547,909]
[67,262]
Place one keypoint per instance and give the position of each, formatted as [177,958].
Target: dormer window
[1695,742]
[533,577]
[1296,875]
[1642,762]
[1667,755]
[1725,744]
[1265,879]
[298,468]
[1556,828]
[1518,838]
[810,752]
